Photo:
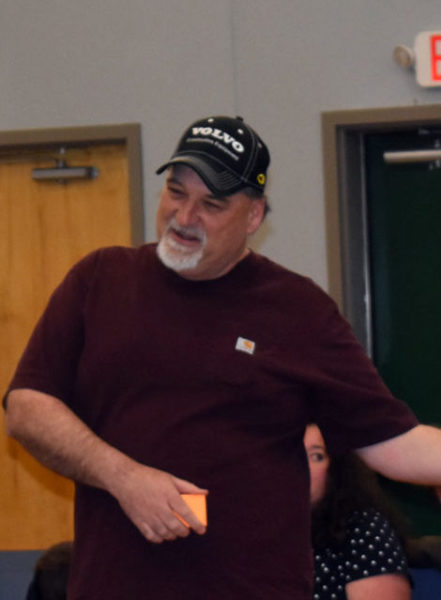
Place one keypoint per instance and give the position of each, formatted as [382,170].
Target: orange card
[198,505]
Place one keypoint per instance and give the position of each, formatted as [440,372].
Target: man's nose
[187,213]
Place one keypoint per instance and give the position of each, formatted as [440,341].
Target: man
[193,366]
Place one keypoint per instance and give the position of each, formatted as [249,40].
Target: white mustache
[190,230]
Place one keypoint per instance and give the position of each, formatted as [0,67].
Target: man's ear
[257,212]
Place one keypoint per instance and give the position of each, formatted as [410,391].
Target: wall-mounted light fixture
[404,56]
[425,57]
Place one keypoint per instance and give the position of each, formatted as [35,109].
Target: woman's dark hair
[51,573]
[351,486]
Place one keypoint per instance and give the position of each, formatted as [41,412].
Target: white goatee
[176,256]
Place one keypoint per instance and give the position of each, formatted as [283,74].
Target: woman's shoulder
[371,548]
[372,544]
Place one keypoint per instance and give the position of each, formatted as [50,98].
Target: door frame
[129,134]
[343,134]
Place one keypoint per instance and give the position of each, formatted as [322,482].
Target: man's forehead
[186,176]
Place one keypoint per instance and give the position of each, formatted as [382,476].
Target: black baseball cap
[225,152]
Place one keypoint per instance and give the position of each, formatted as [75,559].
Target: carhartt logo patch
[245,345]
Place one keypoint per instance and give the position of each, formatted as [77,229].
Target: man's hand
[151,500]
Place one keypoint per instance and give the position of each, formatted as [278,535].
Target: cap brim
[220,182]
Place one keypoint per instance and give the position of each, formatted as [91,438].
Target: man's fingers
[191,522]
[160,531]
[153,502]
[150,534]
[175,527]
[186,487]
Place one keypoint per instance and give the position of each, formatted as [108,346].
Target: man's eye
[214,206]
[175,192]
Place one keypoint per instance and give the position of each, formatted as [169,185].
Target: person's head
[213,197]
[318,461]
[51,573]
[339,485]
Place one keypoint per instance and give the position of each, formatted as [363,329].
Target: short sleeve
[349,394]
[372,547]
[50,360]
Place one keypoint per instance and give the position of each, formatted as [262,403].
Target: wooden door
[45,227]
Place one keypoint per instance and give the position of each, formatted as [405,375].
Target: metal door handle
[411,156]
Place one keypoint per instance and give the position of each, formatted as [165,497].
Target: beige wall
[163,63]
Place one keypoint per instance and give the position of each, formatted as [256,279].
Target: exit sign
[428,58]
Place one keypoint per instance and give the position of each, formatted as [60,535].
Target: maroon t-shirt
[154,364]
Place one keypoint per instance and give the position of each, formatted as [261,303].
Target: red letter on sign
[435,54]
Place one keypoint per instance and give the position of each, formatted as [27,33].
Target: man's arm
[52,433]
[414,456]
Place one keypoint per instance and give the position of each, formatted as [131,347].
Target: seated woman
[357,551]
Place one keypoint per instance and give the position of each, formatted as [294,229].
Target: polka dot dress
[372,548]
